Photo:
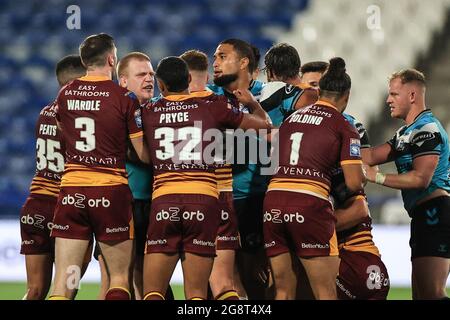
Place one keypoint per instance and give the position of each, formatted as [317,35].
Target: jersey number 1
[296,139]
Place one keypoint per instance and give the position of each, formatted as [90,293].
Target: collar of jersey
[94,78]
[417,118]
[421,114]
[326,104]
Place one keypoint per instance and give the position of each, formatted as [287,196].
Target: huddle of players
[296,219]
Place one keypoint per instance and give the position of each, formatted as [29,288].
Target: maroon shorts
[228,234]
[362,276]
[300,223]
[36,223]
[183,223]
[105,212]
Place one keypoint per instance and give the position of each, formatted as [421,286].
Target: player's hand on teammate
[245,97]
[370,172]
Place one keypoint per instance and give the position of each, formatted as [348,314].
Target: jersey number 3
[168,136]
[87,133]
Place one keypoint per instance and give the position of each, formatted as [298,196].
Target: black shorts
[430,229]
[249,212]
[141,212]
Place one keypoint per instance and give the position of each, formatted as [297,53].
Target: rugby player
[36,216]
[298,216]
[185,218]
[420,150]
[221,281]
[97,117]
[234,63]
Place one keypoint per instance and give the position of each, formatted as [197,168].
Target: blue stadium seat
[159,27]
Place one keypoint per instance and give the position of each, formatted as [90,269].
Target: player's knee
[283,278]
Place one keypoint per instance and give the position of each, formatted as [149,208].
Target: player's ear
[412,96]
[111,60]
[244,63]
[123,81]
[189,78]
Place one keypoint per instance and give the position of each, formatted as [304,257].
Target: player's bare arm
[141,148]
[354,176]
[377,155]
[354,211]
[418,178]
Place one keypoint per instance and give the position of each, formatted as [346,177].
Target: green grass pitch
[89,291]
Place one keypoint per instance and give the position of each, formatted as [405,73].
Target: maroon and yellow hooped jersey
[313,142]
[175,130]
[49,154]
[97,117]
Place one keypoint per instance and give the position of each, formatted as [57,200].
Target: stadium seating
[34,36]
[339,28]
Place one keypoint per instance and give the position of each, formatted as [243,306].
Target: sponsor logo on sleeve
[421,137]
[355,148]
[138,118]
[289,88]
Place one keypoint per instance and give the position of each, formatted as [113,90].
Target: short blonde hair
[196,60]
[125,61]
[408,76]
